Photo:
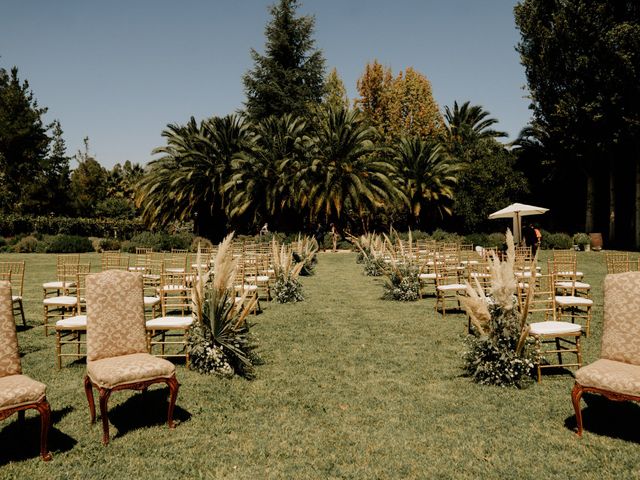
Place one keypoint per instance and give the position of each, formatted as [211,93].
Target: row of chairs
[116,354]
[166,287]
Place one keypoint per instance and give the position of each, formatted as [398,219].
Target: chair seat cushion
[569,301]
[137,367]
[58,285]
[452,286]
[259,278]
[554,328]
[16,390]
[249,288]
[16,298]
[611,375]
[170,322]
[427,276]
[578,285]
[151,301]
[61,300]
[77,321]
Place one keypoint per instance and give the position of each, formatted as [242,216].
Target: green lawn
[352,387]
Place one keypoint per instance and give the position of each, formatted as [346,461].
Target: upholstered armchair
[19,392]
[117,356]
[616,375]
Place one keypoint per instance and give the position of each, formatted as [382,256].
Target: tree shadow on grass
[609,418]
[21,440]
[144,410]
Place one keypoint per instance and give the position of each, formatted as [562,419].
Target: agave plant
[287,288]
[220,340]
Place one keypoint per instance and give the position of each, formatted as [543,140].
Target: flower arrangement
[495,353]
[219,341]
[370,254]
[402,281]
[287,287]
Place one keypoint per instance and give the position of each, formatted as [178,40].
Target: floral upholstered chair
[117,356]
[616,375]
[18,392]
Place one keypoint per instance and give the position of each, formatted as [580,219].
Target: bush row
[160,241]
[13,224]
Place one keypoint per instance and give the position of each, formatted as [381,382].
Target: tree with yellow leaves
[398,106]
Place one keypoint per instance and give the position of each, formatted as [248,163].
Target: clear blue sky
[119,71]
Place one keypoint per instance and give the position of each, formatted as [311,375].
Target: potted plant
[582,240]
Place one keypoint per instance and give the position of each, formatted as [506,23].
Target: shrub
[581,239]
[27,245]
[3,242]
[14,224]
[478,239]
[203,242]
[159,241]
[109,244]
[558,241]
[496,239]
[69,244]
[442,236]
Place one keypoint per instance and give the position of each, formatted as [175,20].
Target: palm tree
[467,122]
[344,173]
[426,176]
[187,182]
[263,181]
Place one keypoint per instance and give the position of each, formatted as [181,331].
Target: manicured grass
[352,387]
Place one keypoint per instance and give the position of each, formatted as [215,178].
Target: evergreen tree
[335,95]
[88,183]
[23,143]
[290,74]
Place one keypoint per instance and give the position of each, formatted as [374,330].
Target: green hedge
[13,224]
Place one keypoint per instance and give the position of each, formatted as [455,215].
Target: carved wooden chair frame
[44,409]
[105,393]
[578,390]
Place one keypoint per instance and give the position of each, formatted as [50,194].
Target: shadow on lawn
[609,418]
[21,440]
[144,410]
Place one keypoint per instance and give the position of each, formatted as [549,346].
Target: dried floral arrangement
[496,353]
[219,340]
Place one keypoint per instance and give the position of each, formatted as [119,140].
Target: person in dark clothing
[531,238]
[319,236]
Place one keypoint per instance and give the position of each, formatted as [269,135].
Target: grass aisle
[352,387]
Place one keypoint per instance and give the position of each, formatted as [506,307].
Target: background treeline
[301,153]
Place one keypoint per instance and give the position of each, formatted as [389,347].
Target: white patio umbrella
[517,211]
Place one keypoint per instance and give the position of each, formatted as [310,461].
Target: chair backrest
[13,272]
[621,331]
[542,306]
[175,294]
[9,356]
[115,314]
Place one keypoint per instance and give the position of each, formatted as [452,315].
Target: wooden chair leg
[45,423]
[58,350]
[576,395]
[104,400]
[88,389]
[173,395]
[24,320]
